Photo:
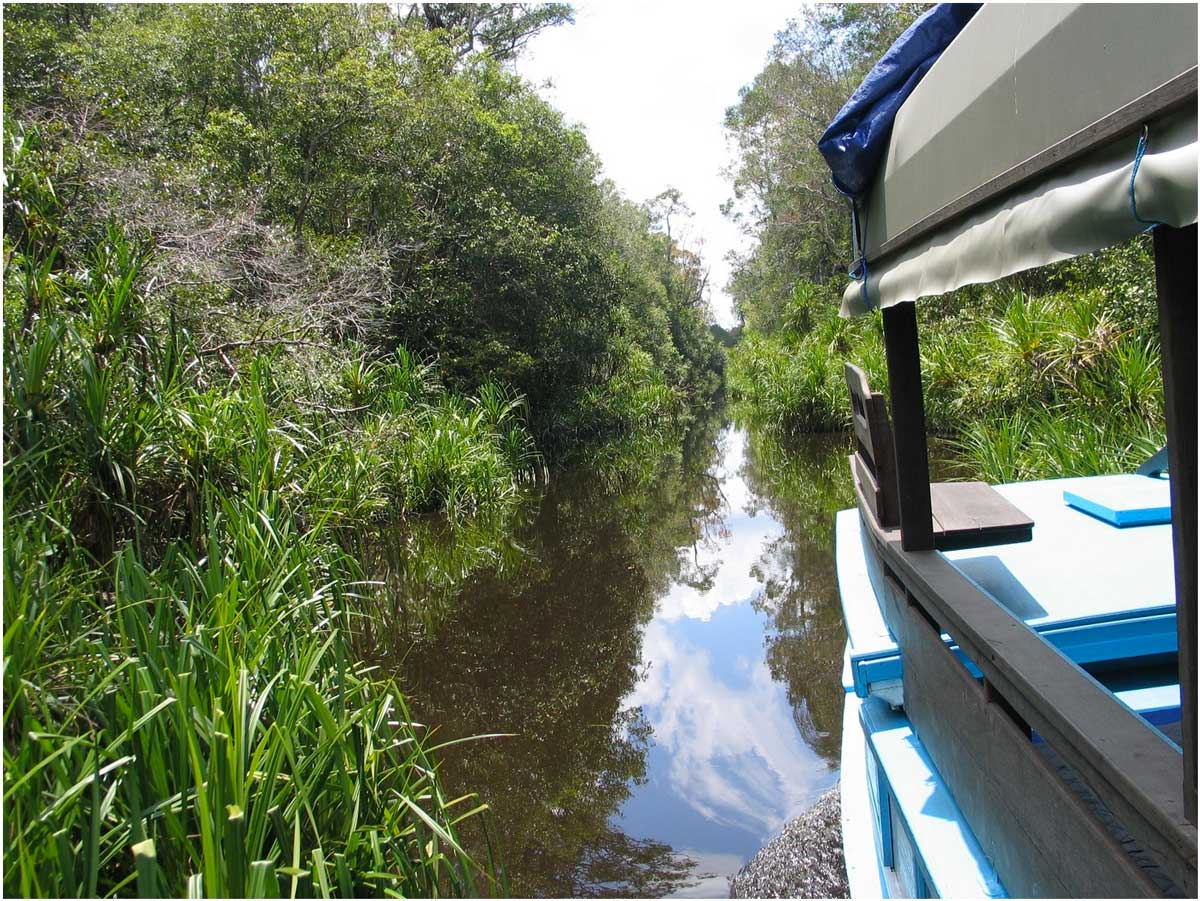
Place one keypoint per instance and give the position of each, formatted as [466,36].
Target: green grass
[201,726]
[184,710]
[1023,386]
[1055,444]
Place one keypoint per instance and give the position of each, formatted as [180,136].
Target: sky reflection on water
[727,765]
[664,655]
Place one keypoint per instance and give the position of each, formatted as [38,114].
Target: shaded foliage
[387,148]
[782,192]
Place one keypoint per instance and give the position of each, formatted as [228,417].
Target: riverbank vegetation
[1050,373]
[278,279]
[328,173]
[183,710]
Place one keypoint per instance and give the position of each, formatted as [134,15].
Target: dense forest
[276,276]
[1052,372]
[340,175]
[302,305]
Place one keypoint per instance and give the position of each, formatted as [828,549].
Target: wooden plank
[862,426]
[872,428]
[967,506]
[860,395]
[1128,764]
[876,531]
[860,410]
[965,540]
[1041,837]
[958,541]
[1175,270]
[870,488]
[1174,94]
[972,514]
[856,380]
[885,459]
[908,413]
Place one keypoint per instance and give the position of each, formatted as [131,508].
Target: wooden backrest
[874,461]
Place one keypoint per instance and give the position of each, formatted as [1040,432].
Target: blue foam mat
[1124,500]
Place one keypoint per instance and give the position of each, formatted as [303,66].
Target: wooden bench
[965,514]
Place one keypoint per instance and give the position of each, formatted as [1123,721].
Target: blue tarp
[854,142]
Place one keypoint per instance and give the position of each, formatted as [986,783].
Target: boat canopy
[855,140]
[1044,131]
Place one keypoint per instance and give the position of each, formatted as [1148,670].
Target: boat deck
[1094,590]
[1102,594]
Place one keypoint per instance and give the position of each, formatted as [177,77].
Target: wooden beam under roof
[908,421]
[1175,270]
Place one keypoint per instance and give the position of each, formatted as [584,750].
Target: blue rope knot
[1137,162]
[858,271]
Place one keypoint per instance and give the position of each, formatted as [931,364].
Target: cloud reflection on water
[735,755]
[730,749]
[729,552]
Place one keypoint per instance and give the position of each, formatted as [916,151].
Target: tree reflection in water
[803,482]
[546,649]
[539,633]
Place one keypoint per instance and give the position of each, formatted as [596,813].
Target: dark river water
[663,650]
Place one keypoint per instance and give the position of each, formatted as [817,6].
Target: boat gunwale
[1129,765]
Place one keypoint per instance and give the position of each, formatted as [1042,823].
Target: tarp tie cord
[1137,162]
[859,274]
[858,271]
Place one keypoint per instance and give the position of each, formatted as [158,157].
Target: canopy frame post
[1175,277]
[908,418]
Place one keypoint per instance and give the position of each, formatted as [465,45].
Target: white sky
[650,83]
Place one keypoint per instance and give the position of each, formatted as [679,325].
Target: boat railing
[1058,779]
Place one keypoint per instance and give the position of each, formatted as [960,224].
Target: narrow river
[665,659]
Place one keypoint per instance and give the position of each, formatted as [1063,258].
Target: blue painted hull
[903,833]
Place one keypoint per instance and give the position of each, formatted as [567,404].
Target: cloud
[735,754]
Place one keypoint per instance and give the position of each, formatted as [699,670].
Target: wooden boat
[1020,670]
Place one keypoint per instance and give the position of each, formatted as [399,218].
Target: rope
[859,271]
[1137,162]
[859,274]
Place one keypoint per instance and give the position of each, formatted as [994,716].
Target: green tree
[782,192]
[372,133]
[34,37]
[499,29]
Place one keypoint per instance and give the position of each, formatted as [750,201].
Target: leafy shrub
[183,709]
[1026,386]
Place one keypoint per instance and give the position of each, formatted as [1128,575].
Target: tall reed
[184,712]
[1024,387]
[202,727]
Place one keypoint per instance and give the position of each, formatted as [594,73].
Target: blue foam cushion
[1124,500]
